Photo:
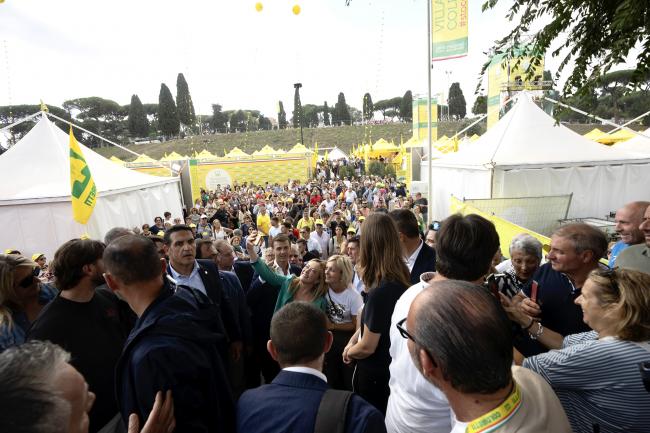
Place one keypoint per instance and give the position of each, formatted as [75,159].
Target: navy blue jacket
[425,262]
[290,404]
[233,289]
[174,346]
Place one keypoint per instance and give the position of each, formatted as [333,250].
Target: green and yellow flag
[449,29]
[82,186]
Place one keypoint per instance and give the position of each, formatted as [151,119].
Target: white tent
[35,208]
[336,154]
[639,144]
[527,155]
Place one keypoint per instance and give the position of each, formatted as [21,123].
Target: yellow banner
[82,186]
[420,121]
[505,228]
[448,29]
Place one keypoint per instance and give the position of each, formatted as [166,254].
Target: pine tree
[456,102]
[282,116]
[167,114]
[368,109]
[406,107]
[184,102]
[480,105]
[298,118]
[342,112]
[326,115]
[138,122]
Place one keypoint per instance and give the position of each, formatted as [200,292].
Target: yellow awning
[143,159]
[298,149]
[204,154]
[594,134]
[237,153]
[116,160]
[172,157]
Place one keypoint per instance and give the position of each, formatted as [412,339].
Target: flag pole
[430,144]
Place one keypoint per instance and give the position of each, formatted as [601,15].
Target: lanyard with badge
[496,417]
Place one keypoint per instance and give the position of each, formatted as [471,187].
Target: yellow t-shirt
[263,224]
[305,223]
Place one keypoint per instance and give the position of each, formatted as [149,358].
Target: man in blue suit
[419,257]
[299,341]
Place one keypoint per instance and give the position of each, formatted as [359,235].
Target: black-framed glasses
[403,332]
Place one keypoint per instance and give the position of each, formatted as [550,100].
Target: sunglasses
[29,279]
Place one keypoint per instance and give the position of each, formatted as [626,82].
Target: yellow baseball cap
[351,230]
[319,221]
[37,256]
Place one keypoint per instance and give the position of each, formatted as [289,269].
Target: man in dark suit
[261,300]
[299,341]
[203,276]
[419,257]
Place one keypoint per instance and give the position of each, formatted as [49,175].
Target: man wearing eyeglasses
[475,373]
[637,257]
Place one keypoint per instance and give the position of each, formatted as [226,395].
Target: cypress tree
[342,112]
[368,108]
[297,110]
[406,106]
[167,114]
[138,122]
[184,102]
[326,114]
[282,116]
[457,104]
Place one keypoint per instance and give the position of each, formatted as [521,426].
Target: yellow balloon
[296,9]
[259,7]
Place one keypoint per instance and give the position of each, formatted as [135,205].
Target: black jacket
[425,262]
[174,346]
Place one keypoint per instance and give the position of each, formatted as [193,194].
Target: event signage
[82,186]
[449,29]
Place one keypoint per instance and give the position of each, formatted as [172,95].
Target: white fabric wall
[43,227]
[596,190]
[462,183]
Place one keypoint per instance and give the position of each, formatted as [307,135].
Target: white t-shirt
[221,234]
[342,306]
[414,405]
[274,231]
[322,239]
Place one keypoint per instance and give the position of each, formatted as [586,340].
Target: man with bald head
[628,219]
[637,257]
[460,340]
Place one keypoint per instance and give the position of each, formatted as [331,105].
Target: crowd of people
[329,306]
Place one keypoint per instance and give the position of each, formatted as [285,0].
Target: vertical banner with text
[449,29]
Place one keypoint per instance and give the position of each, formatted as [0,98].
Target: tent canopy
[335,154]
[143,159]
[172,157]
[299,148]
[45,149]
[639,144]
[527,137]
[236,152]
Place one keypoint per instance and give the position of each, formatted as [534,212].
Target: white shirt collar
[175,274]
[410,261]
[307,370]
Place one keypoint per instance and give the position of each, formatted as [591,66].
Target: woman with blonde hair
[343,305]
[22,298]
[308,287]
[596,374]
[385,278]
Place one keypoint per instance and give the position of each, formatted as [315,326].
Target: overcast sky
[229,53]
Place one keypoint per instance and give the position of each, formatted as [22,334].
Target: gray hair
[527,244]
[116,232]
[29,401]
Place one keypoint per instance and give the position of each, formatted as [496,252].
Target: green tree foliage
[265,123]
[184,102]
[282,116]
[480,105]
[457,104]
[12,113]
[138,122]
[219,120]
[101,116]
[389,107]
[168,121]
[326,114]
[355,114]
[238,121]
[342,112]
[368,108]
[595,35]
[406,106]
[310,114]
[298,114]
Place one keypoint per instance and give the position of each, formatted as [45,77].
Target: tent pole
[24,119]
[430,138]
[93,134]
[605,121]
[628,122]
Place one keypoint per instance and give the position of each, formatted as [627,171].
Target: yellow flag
[82,186]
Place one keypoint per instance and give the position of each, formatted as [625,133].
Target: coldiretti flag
[448,29]
[82,186]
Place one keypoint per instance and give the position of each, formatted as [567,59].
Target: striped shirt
[598,382]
